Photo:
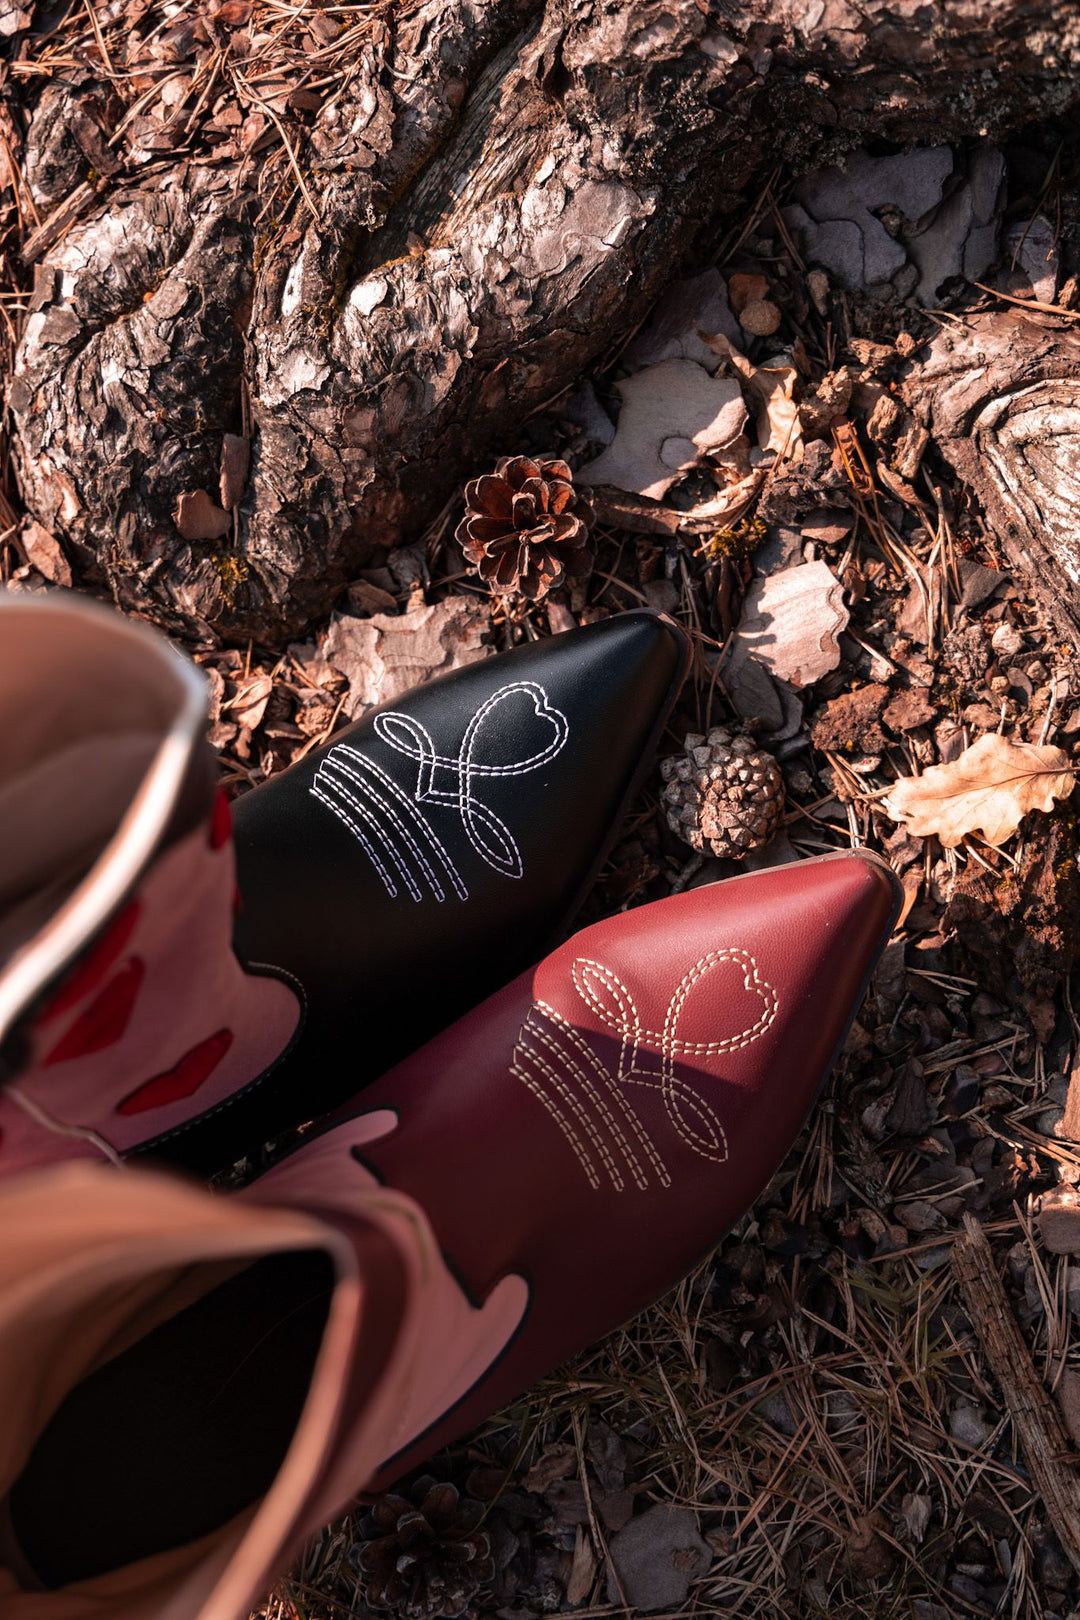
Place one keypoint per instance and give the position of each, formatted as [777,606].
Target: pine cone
[425,1556]
[526,528]
[724,795]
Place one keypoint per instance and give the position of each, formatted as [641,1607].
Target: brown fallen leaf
[771,392]
[990,788]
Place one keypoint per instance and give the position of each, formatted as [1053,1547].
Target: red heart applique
[220,821]
[106,1018]
[89,973]
[183,1079]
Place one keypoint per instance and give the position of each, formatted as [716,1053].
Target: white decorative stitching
[363,814]
[578,1076]
[488,835]
[647,1060]
[388,797]
[563,1084]
[645,1142]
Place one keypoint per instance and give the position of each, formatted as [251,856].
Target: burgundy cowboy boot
[518,1188]
[589,1133]
[432,851]
[125,1015]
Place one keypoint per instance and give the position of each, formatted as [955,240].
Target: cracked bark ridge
[501,190]
[1000,395]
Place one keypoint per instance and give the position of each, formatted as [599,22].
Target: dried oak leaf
[990,788]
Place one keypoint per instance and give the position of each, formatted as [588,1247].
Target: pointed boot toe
[433,850]
[584,1137]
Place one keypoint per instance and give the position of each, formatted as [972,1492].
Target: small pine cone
[724,795]
[526,528]
[424,1556]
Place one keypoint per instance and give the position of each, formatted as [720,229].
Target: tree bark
[1000,395]
[486,210]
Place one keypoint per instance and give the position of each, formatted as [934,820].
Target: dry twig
[1032,1409]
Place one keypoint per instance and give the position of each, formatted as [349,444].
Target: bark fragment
[1000,395]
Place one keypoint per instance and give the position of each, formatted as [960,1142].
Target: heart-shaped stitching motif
[588,1097]
[613,1004]
[387,820]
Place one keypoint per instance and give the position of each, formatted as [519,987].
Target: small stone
[1007,640]
[885,419]
[967,1425]
[1058,1220]
[760,318]
[655,1557]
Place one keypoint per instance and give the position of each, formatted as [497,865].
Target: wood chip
[235,461]
[198,517]
[45,554]
[791,621]
[385,656]
[673,414]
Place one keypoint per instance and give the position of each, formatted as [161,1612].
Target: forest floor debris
[810,1425]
